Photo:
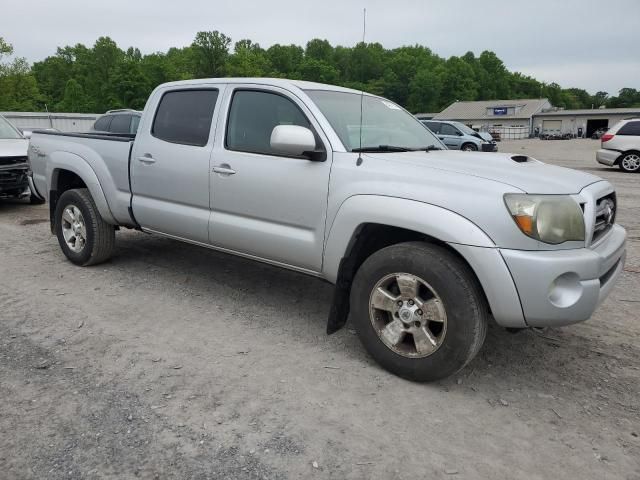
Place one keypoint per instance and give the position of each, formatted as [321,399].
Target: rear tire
[630,162]
[84,237]
[469,147]
[452,311]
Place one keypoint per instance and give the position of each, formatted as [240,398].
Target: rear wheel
[84,237]
[418,311]
[630,162]
[469,147]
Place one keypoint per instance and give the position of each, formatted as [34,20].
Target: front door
[170,163]
[264,204]
[451,136]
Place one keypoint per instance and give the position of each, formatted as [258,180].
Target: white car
[621,146]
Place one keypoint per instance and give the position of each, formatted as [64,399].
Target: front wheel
[418,311]
[469,147]
[630,162]
[84,237]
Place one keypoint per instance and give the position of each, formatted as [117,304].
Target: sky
[587,44]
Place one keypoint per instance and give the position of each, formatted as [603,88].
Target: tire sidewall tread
[455,283]
[100,240]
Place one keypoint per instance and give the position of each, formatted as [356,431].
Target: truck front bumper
[561,287]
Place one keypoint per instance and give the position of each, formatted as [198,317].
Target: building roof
[591,111]
[477,110]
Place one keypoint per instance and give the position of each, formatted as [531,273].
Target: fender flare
[431,220]
[61,160]
[460,233]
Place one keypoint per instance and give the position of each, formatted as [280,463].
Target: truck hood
[516,170]
[13,147]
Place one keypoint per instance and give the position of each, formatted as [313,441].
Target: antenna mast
[364,32]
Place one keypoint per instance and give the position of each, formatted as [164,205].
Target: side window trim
[197,88]
[320,148]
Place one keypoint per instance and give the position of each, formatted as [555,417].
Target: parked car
[457,136]
[621,146]
[423,246]
[14,167]
[599,133]
[28,131]
[123,121]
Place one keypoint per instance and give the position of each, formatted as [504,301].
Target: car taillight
[606,137]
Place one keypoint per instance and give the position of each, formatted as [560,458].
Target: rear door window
[102,124]
[631,128]
[120,124]
[433,126]
[185,116]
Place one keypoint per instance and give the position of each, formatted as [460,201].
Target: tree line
[102,77]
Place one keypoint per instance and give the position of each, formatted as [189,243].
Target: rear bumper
[566,286]
[607,157]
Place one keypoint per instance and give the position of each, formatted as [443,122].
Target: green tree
[210,52]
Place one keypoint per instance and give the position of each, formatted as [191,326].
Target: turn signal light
[606,137]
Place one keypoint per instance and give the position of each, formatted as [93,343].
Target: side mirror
[293,140]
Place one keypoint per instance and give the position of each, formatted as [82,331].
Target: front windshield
[464,129]
[384,124]
[7,131]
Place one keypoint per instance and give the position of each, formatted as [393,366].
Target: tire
[88,246]
[630,162]
[469,147]
[458,299]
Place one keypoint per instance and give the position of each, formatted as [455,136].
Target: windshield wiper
[383,148]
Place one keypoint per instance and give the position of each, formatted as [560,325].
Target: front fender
[58,161]
[431,220]
[467,238]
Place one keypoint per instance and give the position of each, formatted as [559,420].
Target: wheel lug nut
[399,303]
[419,312]
[410,302]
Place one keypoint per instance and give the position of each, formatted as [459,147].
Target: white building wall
[65,122]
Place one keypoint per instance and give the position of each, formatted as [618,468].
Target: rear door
[450,135]
[170,162]
[264,204]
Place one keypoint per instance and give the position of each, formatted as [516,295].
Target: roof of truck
[276,82]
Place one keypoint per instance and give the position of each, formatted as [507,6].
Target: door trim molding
[238,254]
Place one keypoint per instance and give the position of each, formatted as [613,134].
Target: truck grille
[605,216]
[4,161]
[12,177]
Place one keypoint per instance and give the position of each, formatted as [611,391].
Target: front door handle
[224,169]
[147,159]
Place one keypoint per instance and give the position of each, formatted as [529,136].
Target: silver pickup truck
[423,245]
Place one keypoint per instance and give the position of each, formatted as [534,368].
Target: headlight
[548,218]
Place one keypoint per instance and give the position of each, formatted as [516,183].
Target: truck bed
[106,154]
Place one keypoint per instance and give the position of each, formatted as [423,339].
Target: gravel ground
[172,361]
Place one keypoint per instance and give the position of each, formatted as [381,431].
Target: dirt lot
[172,361]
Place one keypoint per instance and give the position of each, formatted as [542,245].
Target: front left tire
[419,310]
[469,147]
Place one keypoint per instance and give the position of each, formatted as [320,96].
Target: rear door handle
[224,169]
[147,159]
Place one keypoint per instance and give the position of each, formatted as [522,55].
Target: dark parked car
[599,133]
[122,121]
